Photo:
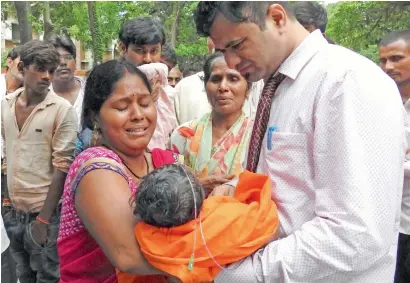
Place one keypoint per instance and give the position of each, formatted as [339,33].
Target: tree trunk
[91,16]
[23,12]
[176,11]
[48,26]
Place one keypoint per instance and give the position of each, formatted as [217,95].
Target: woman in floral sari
[214,145]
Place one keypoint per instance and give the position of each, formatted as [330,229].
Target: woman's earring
[96,136]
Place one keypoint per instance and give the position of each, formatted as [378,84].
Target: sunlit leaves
[361,25]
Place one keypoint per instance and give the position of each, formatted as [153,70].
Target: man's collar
[407,103]
[292,66]
[48,100]
[13,96]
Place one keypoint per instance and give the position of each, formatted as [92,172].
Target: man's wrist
[42,220]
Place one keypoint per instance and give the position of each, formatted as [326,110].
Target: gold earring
[96,136]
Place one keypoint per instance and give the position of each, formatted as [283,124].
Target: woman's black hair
[209,62]
[101,83]
[14,53]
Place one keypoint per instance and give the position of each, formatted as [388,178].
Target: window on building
[15,32]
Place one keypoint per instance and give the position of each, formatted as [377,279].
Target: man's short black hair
[395,36]
[39,53]
[62,41]
[14,54]
[189,71]
[169,55]
[141,31]
[311,13]
[234,11]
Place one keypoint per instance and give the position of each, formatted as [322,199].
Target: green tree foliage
[72,16]
[361,25]
[355,25]
[191,48]
[4,53]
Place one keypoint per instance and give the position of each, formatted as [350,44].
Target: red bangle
[39,219]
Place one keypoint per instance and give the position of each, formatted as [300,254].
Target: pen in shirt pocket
[271,130]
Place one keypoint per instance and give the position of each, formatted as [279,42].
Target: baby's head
[165,197]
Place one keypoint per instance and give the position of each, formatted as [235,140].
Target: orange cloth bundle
[233,229]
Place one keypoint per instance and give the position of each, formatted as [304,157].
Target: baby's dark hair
[165,197]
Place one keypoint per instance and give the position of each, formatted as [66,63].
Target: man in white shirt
[65,83]
[190,98]
[12,79]
[333,145]
[174,76]
[394,54]
[141,41]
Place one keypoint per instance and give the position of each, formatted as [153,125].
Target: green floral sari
[193,140]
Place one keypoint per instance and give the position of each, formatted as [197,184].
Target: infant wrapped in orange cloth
[192,244]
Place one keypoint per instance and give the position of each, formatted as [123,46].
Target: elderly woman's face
[128,117]
[226,88]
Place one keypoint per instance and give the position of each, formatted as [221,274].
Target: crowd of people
[286,159]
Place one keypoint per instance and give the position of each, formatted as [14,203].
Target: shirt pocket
[35,157]
[283,142]
[290,168]
[288,159]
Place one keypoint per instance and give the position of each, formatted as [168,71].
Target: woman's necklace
[129,169]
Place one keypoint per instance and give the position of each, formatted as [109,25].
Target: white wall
[6,31]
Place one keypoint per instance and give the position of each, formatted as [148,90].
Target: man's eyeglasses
[67,57]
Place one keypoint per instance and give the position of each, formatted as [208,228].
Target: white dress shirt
[170,91]
[336,159]
[3,86]
[191,101]
[405,205]
[249,108]
[78,104]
